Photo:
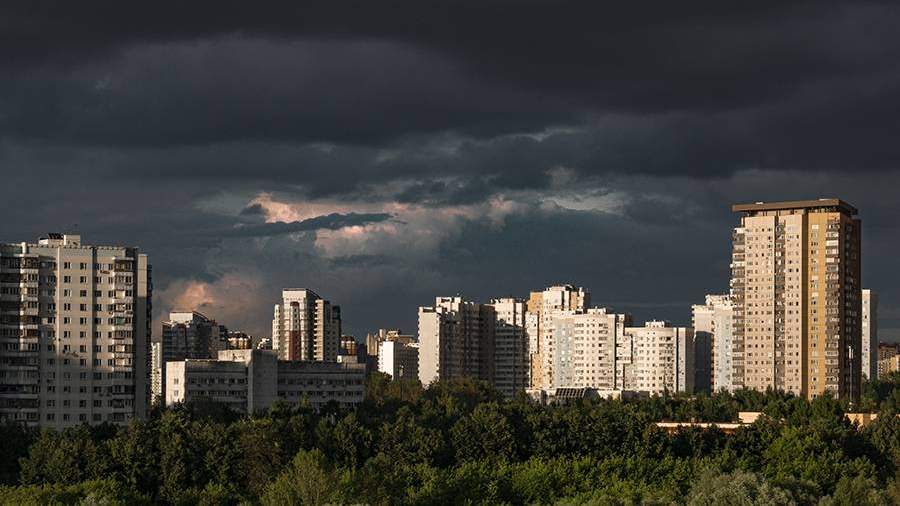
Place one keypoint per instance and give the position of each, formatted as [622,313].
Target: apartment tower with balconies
[797,300]
[74,333]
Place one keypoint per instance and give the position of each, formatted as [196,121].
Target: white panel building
[252,380]
[74,333]
[713,320]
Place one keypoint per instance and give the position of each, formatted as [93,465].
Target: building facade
[187,334]
[456,340]
[887,352]
[511,364]
[74,333]
[657,358]
[248,381]
[306,327]
[585,349]
[869,343]
[542,308]
[796,287]
[712,322]
[399,358]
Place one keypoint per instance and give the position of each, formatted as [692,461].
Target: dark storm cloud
[332,221]
[520,143]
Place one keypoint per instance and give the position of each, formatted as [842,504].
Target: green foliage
[460,442]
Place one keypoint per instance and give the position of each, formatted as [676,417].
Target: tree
[309,480]
[738,488]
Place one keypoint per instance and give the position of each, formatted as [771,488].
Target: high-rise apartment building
[306,327]
[187,334]
[869,343]
[657,358]
[796,287]
[456,339]
[398,357]
[712,321]
[74,332]
[585,345]
[511,365]
[542,308]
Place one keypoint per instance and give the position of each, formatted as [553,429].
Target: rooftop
[795,204]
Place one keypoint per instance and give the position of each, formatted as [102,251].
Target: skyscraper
[75,332]
[306,327]
[869,343]
[713,321]
[796,287]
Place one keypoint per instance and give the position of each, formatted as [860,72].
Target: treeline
[461,443]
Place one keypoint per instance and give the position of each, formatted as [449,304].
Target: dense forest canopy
[462,443]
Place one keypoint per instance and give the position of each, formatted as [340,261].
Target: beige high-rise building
[306,327]
[542,307]
[713,321]
[585,348]
[657,358]
[869,343]
[456,340]
[75,333]
[510,346]
[796,287]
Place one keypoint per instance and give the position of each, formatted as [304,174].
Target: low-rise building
[252,380]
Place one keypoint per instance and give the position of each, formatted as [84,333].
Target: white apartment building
[74,332]
[713,321]
[455,340]
[541,308]
[511,361]
[657,358]
[399,358]
[306,327]
[869,355]
[252,380]
[585,348]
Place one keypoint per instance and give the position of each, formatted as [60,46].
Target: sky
[385,153]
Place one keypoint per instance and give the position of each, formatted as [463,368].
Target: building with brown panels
[797,298]
[306,327]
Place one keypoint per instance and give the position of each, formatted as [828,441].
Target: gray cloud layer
[387,152]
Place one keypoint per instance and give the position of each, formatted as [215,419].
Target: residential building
[237,340]
[886,352]
[74,333]
[188,334]
[797,308]
[456,340]
[585,345]
[252,380]
[541,308]
[157,377]
[869,343]
[306,327]
[657,358]
[511,365]
[712,322]
[888,365]
[398,357]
